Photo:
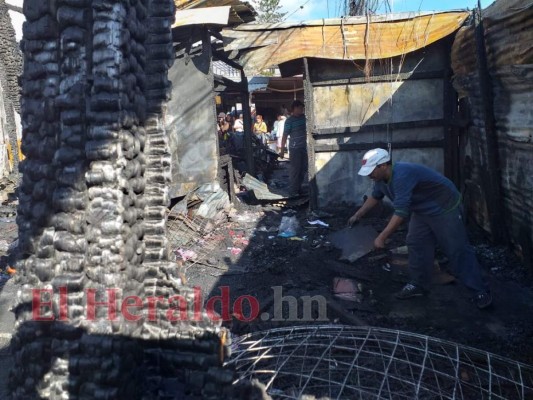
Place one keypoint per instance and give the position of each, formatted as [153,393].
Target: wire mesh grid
[191,240]
[340,362]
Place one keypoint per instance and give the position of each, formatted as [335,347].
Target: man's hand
[282,154]
[354,218]
[379,242]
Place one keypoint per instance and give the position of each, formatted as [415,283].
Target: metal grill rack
[341,362]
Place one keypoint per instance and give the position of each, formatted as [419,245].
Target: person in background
[295,128]
[260,127]
[433,204]
[238,126]
[223,128]
[230,122]
[274,131]
[237,139]
[280,128]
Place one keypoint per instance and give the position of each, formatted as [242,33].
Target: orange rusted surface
[348,39]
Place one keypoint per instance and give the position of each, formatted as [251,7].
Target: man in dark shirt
[295,127]
[434,206]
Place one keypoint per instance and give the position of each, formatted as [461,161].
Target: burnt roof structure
[257,47]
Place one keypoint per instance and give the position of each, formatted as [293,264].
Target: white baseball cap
[372,159]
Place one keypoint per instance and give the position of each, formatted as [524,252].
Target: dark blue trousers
[449,232]
[297,170]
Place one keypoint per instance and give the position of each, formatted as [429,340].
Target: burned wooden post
[491,181]
[310,121]
[247,118]
[92,211]
[10,69]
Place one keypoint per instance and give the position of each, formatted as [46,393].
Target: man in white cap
[433,204]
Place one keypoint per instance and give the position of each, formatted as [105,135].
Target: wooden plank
[216,16]
[344,130]
[311,166]
[378,103]
[325,148]
[247,117]
[492,187]
[413,75]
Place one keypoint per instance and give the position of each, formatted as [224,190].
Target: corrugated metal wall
[404,101]
[508,37]
[191,122]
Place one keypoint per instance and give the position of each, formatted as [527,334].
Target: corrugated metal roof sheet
[508,38]
[260,189]
[341,39]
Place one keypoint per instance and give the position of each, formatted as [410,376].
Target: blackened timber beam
[328,148]
[449,97]
[247,117]
[222,57]
[216,34]
[222,84]
[310,121]
[492,179]
[382,78]
[378,127]
[14,8]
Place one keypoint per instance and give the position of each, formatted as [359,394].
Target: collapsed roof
[258,46]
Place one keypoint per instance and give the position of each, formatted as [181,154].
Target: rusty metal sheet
[378,103]
[202,16]
[191,125]
[355,242]
[507,8]
[376,39]
[261,190]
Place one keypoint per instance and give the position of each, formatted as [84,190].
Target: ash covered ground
[265,264]
[245,254]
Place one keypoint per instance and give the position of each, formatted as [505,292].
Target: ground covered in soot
[245,255]
[248,258]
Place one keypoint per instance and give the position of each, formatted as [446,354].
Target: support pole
[492,178]
[248,151]
[309,113]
